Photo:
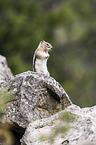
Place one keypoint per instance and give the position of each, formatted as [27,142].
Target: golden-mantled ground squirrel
[40,58]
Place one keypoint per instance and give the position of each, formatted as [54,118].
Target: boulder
[34,96]
[72,126]
[40,112]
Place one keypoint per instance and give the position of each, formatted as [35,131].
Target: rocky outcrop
[72,126]
[5,72]
[35,96]
[40,104]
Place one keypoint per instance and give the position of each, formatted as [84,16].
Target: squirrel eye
[47,45]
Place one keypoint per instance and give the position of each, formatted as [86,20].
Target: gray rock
[40,104]
[59,129]
[35,96]
[5,72]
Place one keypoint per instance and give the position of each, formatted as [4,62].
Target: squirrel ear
[42,41]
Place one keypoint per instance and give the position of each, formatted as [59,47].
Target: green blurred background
[69,25]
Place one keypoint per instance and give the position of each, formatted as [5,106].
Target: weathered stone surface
[35,96]
[5,72]
[81,130]
[41,104]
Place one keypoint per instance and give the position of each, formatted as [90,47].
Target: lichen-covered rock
[35,96]
[72,126]
[5,72]
[35,101]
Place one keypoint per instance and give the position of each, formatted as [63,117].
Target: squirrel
[40,58]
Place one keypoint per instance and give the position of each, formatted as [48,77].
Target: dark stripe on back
[34,60]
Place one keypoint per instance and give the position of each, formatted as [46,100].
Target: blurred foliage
[70,26]
[4,98]
[6,136]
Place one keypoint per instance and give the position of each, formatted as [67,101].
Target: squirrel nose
[51,47]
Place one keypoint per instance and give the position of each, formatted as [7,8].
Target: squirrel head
[45,46]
